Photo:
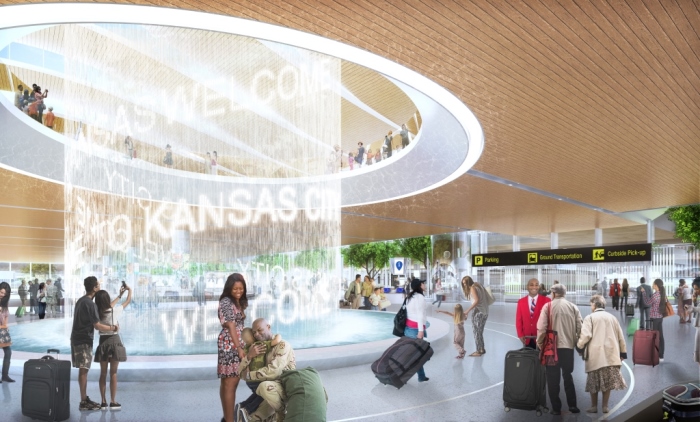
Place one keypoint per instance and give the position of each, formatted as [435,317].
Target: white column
[554,240]
[483,242]
[650,231]
[598,237]
[484,248]
[516,243]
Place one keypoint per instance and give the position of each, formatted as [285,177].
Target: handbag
[120,350]
[669,310]
[489,296]
[384,304]
[548,353]
[5,339]
[400,320]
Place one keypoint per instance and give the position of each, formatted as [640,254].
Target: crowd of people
[258,357]
[40,298]
[32,104]
[362,156]
[366,295]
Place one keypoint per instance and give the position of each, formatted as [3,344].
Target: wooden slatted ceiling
[595,101]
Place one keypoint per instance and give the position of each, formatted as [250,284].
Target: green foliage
[37,269]
[278,259]
[161,271]
[417,248]
[315,259]
[687,219]
[372,257]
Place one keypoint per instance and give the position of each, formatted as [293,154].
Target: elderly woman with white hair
[605,348]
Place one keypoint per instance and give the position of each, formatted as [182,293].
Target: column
[650,231]
[598,237]
[554,240]
[516,243]
[650,239]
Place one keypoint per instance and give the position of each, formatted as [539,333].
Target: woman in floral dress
[232,305]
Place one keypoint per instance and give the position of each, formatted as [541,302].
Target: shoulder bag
[400,320]
[669,310]
[120,350]
[489,296]
[548,353]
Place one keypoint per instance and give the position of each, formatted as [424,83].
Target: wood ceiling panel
[378,93]
[594,101]
[459,206]
[18,190]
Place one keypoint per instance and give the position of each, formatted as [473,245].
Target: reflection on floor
[458,390]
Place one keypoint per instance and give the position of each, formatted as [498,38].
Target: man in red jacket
[528,312]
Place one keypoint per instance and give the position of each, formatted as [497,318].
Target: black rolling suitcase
[629,310]
[46,388]
[401,361]
[682,401]
[525,382]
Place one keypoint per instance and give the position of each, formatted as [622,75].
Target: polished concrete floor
[458,390]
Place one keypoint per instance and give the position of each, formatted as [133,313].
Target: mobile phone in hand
[123,284]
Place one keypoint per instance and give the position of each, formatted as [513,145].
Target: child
[375,298]
[351,160]
[459,319]
[249,340]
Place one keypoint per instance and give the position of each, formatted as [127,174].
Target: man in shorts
[85,322]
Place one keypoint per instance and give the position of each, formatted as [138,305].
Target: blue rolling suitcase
[46,388]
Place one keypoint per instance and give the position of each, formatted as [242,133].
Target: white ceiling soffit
[451,139]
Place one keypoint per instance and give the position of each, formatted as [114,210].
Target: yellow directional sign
[478,260]
[532,258]
[599,254]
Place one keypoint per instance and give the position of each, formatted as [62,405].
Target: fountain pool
[194,330]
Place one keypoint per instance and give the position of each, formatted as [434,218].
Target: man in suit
[643,307]
[528,312]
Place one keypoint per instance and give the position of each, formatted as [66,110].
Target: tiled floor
[458,390]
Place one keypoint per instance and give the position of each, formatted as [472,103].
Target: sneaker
[103,406]
[243,415]
[88,405]
[115,406]
[236,410]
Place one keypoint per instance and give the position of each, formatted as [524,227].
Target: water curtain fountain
[269,209]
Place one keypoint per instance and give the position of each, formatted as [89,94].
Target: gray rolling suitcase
[46,388]
[525,381]
[401,361]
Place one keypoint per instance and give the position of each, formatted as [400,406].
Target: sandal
[475,355]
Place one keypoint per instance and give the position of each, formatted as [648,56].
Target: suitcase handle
[49,357]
